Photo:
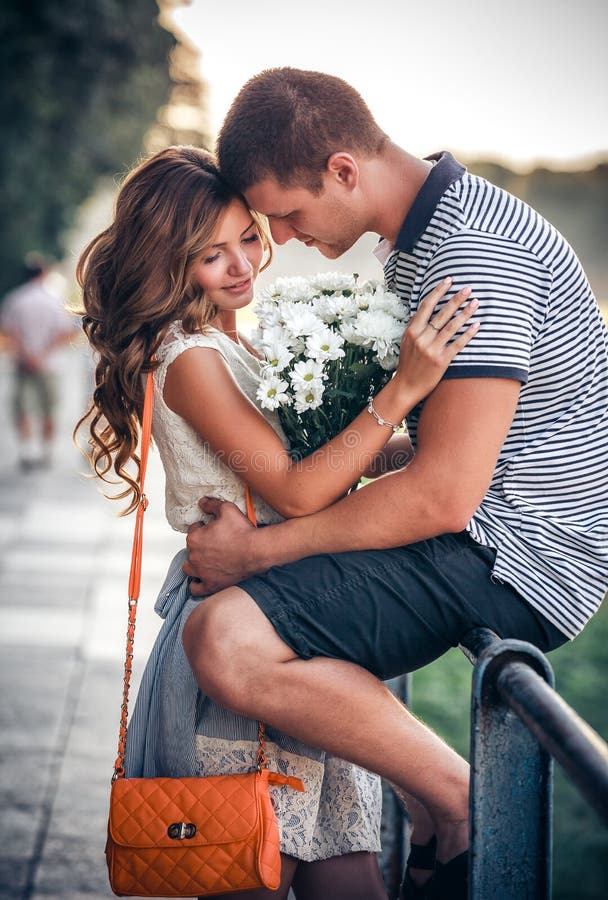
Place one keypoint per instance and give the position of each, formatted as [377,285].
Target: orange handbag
[188,837]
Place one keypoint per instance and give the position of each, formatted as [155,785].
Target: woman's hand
[427,347]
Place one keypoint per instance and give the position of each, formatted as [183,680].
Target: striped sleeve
[512,286]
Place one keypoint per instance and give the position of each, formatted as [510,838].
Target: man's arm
[461,430]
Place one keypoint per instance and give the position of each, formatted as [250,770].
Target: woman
[161,289]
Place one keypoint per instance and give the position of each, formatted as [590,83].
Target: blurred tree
[82,83]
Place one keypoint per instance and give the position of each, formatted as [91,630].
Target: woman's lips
[240,286]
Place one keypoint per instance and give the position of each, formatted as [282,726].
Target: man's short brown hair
[285,124]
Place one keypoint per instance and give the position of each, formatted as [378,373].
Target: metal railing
[519,725]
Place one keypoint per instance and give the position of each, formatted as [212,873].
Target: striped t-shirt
[546,511]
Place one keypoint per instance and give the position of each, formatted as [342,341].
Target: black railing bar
[579,750]
[476,641]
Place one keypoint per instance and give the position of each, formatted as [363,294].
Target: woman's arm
[200,387]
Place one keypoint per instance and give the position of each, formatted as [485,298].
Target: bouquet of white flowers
[329,342]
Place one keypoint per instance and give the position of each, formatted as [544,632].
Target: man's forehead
[271,198]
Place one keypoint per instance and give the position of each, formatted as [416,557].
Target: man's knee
[223,653]
[208,642]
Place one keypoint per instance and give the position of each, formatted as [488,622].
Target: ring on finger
[435,327]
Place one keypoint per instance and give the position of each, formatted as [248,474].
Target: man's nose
[281,230]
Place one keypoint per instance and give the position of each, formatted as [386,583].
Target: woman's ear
[343,167]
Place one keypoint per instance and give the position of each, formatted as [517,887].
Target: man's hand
[221,553]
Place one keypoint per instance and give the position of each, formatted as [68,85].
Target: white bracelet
[379,419]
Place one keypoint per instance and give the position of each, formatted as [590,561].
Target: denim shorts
[394,611]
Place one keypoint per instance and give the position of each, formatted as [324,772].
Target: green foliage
[81,84]
[441,697]
[581,840]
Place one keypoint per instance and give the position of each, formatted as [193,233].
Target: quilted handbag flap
[180,812]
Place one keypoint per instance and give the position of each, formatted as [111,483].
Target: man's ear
[343,167]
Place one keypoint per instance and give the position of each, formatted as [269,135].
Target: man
[36,324]
[501,518]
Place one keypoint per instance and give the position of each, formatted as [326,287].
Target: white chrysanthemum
[370,285]
[298,346]
[350,334]
[293,288]
[277,355]
[272,392]
[255,338]
[300,319]
[311,398]
[379,331]
[325,308]
[268,313]
[307,373]
[365,300]
[326,344]
[333,281]
[274,334]
[390,303]
[335,307]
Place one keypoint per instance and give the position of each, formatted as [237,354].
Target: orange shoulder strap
[135,578]
[135,572]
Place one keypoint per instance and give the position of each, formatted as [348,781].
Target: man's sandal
[451,880]
[422,856]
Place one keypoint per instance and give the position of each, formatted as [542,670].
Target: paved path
[64,560]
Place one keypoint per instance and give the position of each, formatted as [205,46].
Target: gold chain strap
[135,585]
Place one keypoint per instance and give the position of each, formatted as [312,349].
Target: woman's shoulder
[176,340]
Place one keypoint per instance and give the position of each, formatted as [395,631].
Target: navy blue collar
[444,173]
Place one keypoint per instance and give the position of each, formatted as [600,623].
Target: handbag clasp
[180,830]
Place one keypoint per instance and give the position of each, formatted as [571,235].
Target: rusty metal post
[394,818]
[511,780]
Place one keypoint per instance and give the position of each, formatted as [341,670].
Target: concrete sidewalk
[64,559]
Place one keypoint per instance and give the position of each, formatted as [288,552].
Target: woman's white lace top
[192,469]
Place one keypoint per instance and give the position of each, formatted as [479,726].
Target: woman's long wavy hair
[136,278]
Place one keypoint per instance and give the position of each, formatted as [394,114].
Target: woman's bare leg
[422,830]
[288,867]
[353,876]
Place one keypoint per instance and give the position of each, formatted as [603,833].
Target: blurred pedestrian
[36,323]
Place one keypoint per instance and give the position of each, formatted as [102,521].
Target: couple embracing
[498,520]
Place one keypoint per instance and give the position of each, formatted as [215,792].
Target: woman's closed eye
[250,239]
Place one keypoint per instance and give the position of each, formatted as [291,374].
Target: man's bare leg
[240,662]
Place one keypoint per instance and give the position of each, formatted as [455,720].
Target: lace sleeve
[174,343]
